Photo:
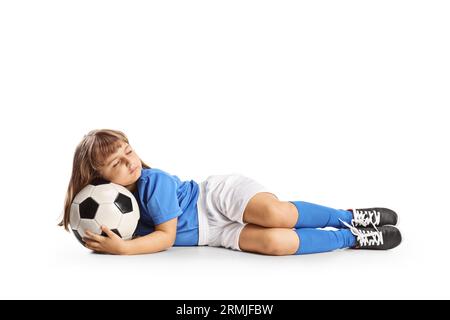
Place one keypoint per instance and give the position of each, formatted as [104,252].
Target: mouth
[134,170]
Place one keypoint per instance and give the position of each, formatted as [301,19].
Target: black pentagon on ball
[123,202]
[88,208]
[99,181]
[113,230]
[78,236]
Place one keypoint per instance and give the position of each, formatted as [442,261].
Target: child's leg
[266,210]
[270,241]
[282,241]
[315,240]
[312,215]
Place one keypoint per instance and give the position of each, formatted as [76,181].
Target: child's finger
[108,232]
[94,236]
[86,236]
[90,242]
[93,245]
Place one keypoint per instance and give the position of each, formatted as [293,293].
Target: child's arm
[161,239]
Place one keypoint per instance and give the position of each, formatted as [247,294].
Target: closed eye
[115,165]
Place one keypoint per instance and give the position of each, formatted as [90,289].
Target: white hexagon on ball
[104,194]
[108,215]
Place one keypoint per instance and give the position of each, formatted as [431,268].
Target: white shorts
[221,205]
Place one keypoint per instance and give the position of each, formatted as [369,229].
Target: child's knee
[279,242]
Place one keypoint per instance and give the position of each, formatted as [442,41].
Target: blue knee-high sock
[312,215]
[315,240]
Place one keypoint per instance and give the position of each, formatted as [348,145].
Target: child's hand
[112,244]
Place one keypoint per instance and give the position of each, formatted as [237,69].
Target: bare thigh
[266,210]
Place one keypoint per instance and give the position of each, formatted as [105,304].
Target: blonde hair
[90,155]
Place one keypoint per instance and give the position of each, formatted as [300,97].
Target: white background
[341,103]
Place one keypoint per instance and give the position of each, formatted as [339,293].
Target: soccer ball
[104,203]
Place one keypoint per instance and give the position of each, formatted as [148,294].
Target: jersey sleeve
[160,196]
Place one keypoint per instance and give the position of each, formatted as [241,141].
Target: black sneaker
[374,217]
[382,238]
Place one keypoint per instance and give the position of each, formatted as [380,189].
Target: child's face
[124,167]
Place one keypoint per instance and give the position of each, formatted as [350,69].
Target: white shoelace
[366,238]
[366,217]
